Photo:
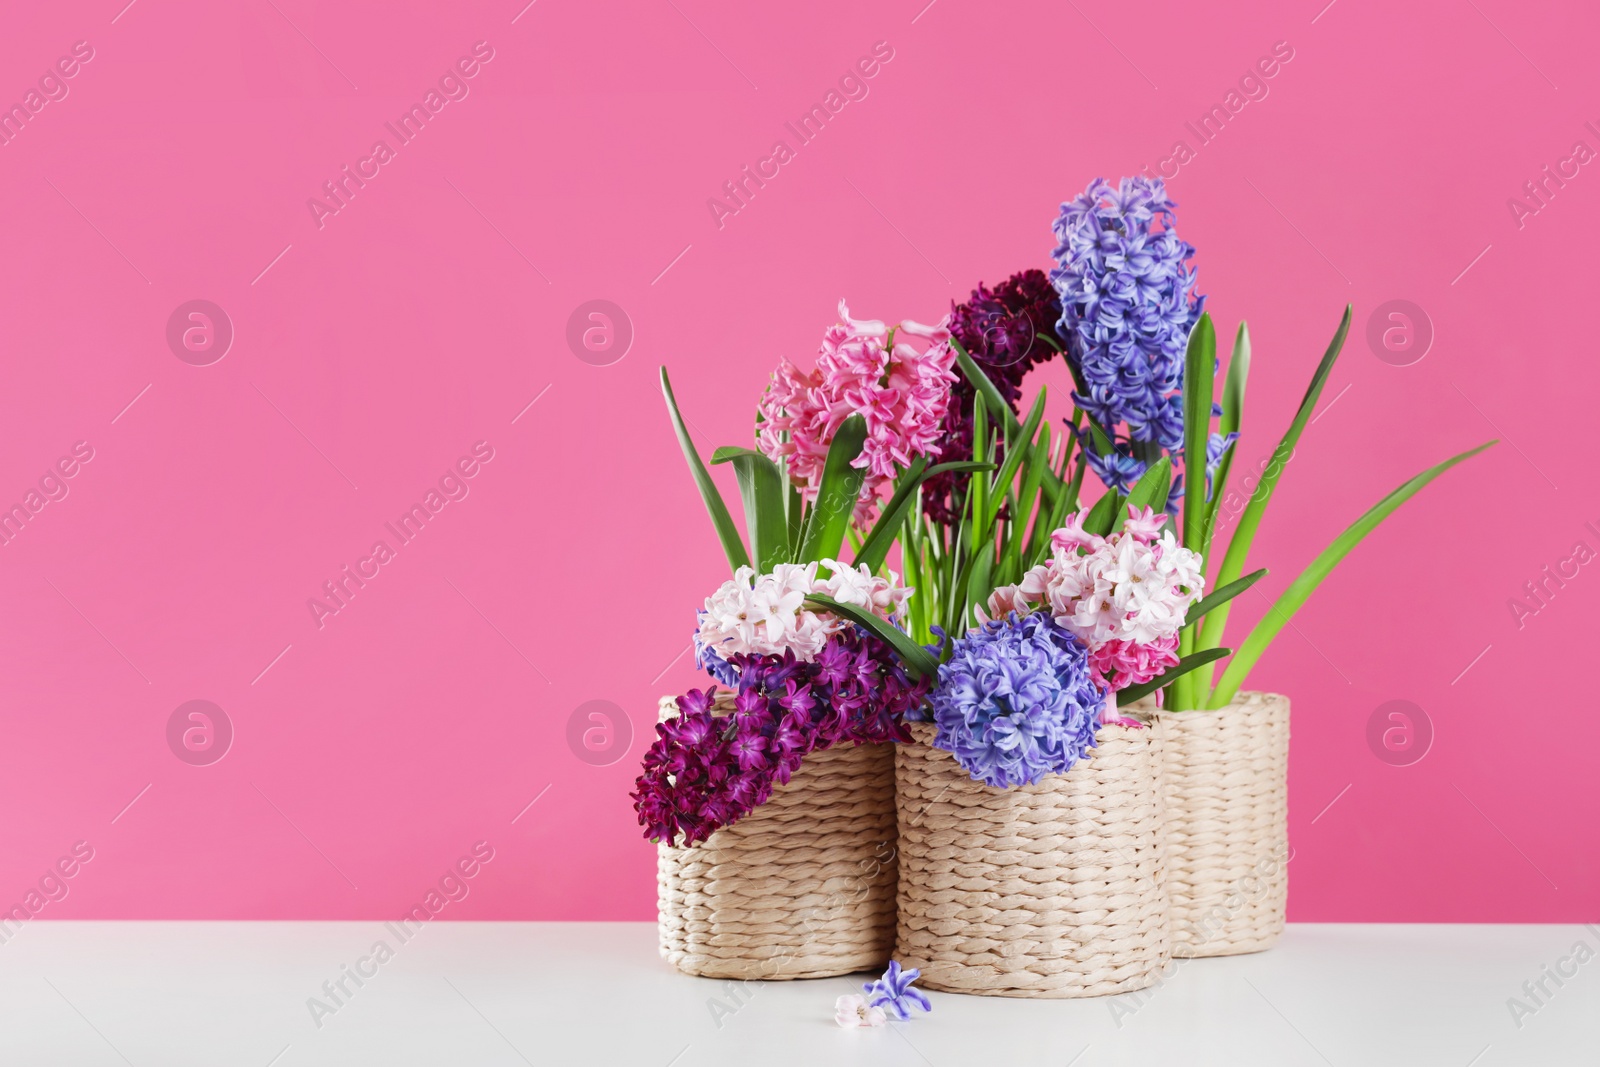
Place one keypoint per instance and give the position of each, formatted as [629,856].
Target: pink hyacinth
[901,391]
[1124,663]
[1124,596]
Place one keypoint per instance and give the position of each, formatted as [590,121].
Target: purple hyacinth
[1016,701]
[705,771]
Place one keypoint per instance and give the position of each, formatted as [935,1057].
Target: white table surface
[165,994]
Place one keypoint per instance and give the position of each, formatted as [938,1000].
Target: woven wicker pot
[802,887]
[1224,780]
[1049,890]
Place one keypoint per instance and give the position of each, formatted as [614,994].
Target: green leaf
[1150,491]
[1232,419]
[1198,609]
[1039,548]
[875,549]
[836,493]
[1028,503]
[1244,534]
[1104,513]
[982,452]
[918,660]
[978,586]
[1294,597]
[1200,366]
[1019,448]
[1075,487]
[1183,667]
[761,486]
[732,546]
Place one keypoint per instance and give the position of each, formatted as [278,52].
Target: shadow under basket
[802,887]
[1224,781]
[1049,890]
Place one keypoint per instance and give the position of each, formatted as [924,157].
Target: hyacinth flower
[893,991]
[705,771]
[1016,700]
[852,1012]
[1125,596]
[1128,304]
[865,367]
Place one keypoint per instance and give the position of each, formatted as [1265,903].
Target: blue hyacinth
[893,991]
[1016,701]
[1127,306]
[1128,301]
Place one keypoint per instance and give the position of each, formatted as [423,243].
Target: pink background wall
[372,352]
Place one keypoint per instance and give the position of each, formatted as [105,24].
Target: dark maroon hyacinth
[1007,330]
[706,771]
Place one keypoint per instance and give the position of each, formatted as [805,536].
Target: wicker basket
[1049,890]
[1224,780]
[802,887]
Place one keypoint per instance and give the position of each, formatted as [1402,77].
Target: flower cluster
[1127,300]
[1007,331]
[1124,596]
[868,368]
[705,771]
[766,614]
[1017,700]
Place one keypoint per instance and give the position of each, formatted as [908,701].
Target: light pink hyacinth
[1125,596]
[902,391]
[766,614]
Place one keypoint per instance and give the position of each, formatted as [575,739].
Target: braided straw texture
[1048,890]
[802,887]
[1225,783]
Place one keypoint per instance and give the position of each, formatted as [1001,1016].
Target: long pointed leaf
[1039,549]
[836,494]
[1150,491]
[1244,534]
[1198,609]
[1199,372]
[761,486]
[1184,666]
[1028,509]
[1017,449]
[1104,513]
[1294,597]
[1200,366]
[1232,418]
[732,546]
[918,660]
